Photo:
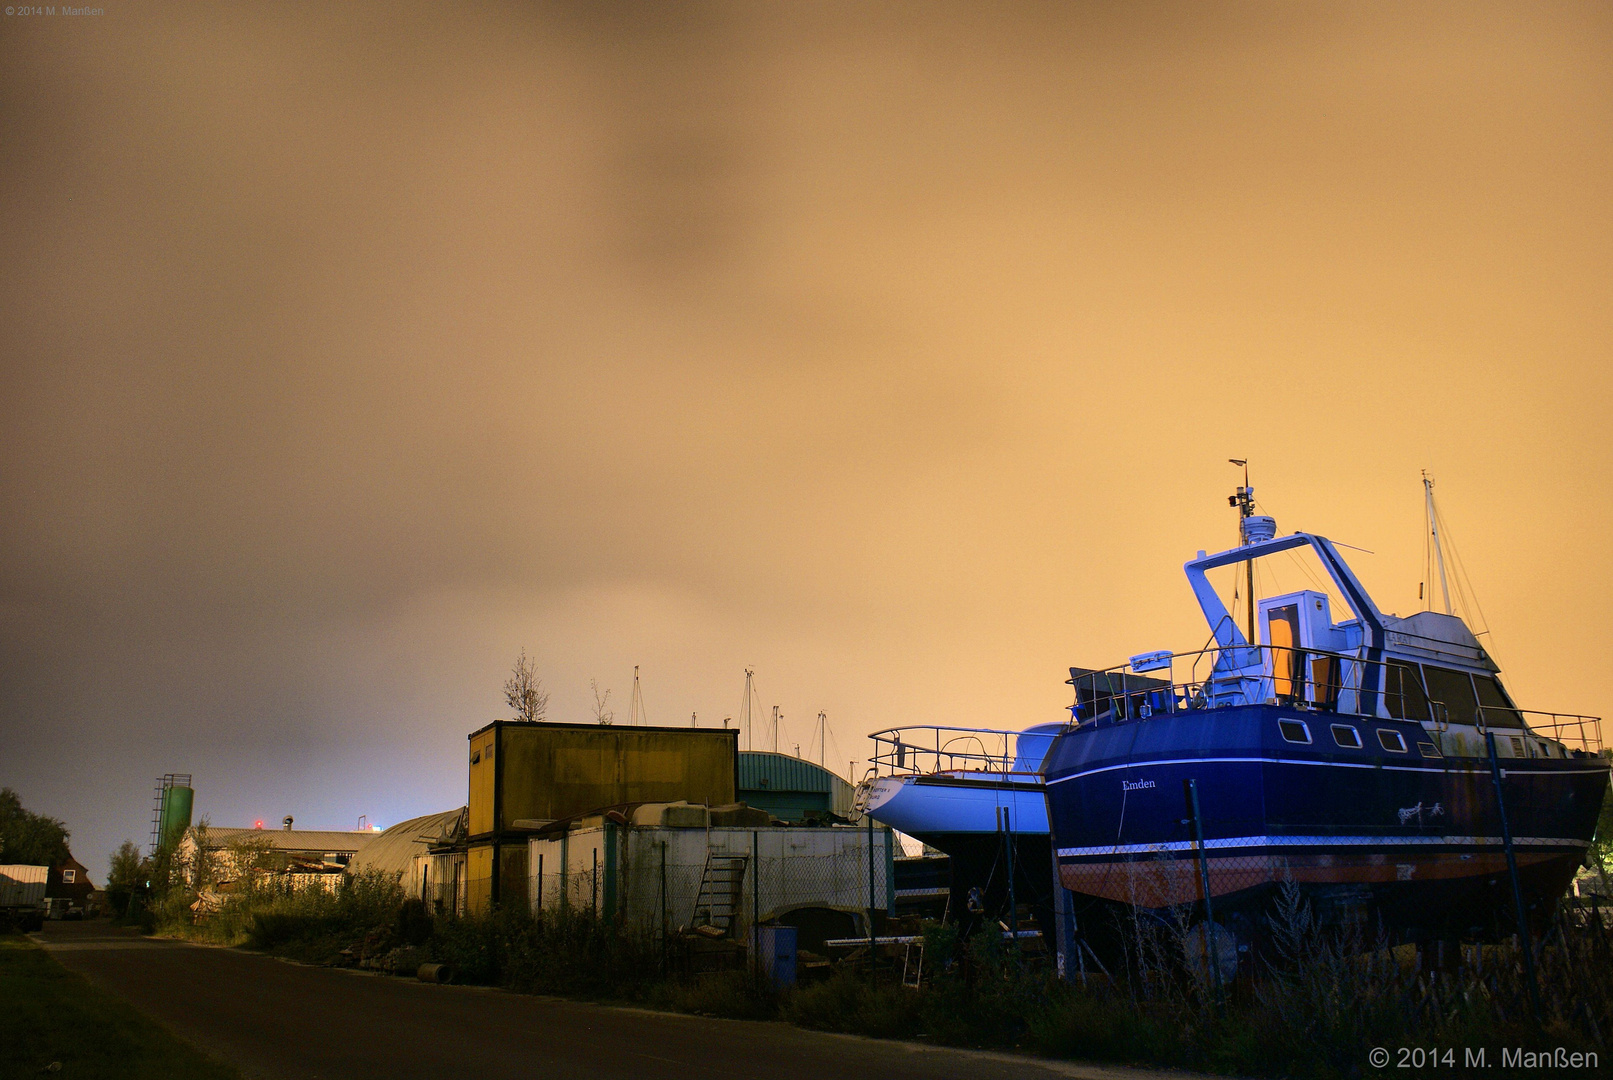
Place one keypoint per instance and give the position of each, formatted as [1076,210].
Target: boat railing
[924,749]
[1303,678]
[1238,675]
[1571,729]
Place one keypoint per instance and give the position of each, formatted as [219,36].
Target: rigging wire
[1465,593]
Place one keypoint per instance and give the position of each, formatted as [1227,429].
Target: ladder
[721,884]
[913,965]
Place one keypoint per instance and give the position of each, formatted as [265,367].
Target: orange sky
[895,350]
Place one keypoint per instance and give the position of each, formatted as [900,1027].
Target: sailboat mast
[744,709]
[1433,533]
[635,709]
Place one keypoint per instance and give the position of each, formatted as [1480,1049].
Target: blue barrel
[776,945]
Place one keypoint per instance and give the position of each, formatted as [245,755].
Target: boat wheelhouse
[1351,757]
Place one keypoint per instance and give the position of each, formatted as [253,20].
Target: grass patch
[1314,1002]
[49,1014]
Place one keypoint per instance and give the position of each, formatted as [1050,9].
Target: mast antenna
[744,709]
[635,711]
[823,724]
[1434,552]
[1244,502]
[776,717]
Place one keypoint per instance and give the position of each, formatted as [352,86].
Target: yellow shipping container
[543,772]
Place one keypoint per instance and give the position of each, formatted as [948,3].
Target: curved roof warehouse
[791,788]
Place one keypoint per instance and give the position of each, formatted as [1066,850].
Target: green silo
[175,815]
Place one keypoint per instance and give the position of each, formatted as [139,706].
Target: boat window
[1428,749]
[1403,692]
[1455,690]
[1391,741]
[1545,751]
[1517,747]
[1347,736]
[1294,731]
[1497,710]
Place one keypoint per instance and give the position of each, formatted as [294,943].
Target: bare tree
[602,714]
[524,691]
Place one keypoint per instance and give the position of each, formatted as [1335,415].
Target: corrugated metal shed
[393,850]
[788,786]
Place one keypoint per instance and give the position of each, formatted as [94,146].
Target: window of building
[1295,731]
[1346,736]
[1391,741]
[68,876]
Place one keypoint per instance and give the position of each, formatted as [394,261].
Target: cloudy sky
[896,350]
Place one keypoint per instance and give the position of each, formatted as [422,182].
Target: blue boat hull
[1414,841]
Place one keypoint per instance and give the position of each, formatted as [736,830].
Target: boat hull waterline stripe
[1431,769]
[1320,842]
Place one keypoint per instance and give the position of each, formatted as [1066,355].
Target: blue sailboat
[1352,758]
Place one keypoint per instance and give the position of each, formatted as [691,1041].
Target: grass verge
[49,1014]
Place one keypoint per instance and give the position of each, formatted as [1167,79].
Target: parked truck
[22,896]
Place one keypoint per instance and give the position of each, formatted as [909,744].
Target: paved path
[281,1021]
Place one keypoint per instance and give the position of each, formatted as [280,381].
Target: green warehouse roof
[787,785]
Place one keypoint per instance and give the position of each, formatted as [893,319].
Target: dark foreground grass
[1315,1007]
[49,1014]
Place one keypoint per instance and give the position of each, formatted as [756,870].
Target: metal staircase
[721,884]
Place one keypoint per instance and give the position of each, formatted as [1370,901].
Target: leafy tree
[126,869]
[200,858]
[1599,856]
[126,875]
[524,691]
[29,838]
[250,852]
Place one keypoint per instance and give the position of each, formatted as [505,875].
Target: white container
[22,886]
[656,879]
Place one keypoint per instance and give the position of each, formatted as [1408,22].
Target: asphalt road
[282,1021]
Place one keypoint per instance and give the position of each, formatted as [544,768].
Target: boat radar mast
[1252,529]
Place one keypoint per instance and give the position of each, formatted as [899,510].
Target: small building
[659,868]
[304,857]
[68,887]
[524,775]
[792,789]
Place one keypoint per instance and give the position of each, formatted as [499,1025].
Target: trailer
[22,895]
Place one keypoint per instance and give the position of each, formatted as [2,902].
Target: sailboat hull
[963,815]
